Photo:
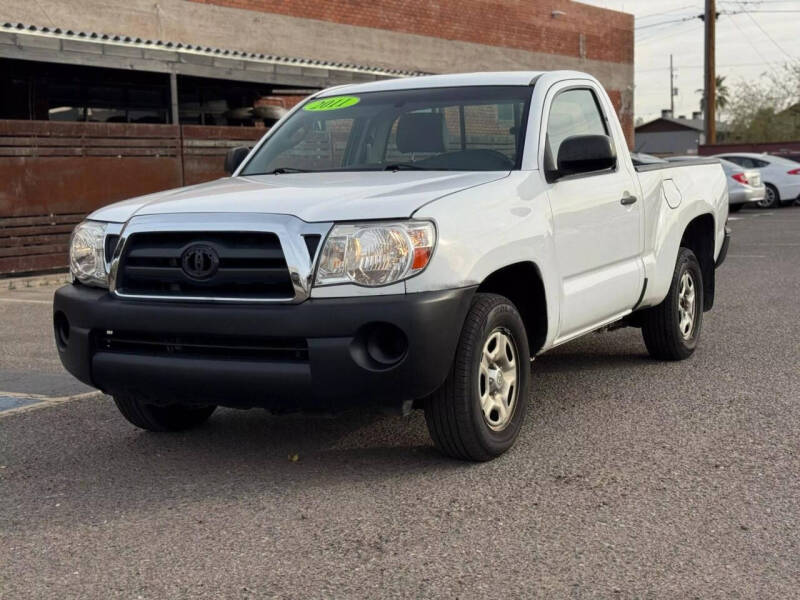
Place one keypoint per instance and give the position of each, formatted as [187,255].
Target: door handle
[627,199]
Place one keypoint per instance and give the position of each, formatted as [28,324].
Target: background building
[670,135]
[106,99]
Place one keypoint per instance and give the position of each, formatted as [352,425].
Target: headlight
[373,254]
[87,260]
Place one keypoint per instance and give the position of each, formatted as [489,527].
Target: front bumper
[416,338]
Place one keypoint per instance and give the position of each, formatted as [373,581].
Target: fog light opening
[379,346]
[386,344]
[61,328]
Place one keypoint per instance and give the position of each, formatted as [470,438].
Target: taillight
[740,177]
[794,172]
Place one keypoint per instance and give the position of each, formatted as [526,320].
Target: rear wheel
[672,328]
[152,417]
[479,410]
[772,199]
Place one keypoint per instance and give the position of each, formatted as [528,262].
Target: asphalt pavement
[632,478]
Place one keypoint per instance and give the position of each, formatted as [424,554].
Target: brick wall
[523,24]
[588,38]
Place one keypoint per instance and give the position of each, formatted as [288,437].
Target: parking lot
[632,478]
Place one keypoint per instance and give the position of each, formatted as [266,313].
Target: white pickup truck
[411,243]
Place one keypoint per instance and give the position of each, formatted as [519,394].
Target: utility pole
[671,88]
[710,92]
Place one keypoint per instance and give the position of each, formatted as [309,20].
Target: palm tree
[722,97]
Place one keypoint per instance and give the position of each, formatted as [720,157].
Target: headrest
[420,132]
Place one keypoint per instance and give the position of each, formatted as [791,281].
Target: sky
[762,37]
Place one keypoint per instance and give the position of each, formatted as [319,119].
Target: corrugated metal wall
[54,173]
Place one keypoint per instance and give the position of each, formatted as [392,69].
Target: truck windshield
[451,129]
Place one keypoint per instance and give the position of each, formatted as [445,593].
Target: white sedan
[780,175]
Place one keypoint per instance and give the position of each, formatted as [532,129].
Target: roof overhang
[29,42]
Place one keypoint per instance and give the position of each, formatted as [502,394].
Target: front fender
[483,229]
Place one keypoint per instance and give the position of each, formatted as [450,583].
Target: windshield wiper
[406,166]
[284,170]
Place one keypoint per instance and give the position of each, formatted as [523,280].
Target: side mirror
[584,154]
[234,158]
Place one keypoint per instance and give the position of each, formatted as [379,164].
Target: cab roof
[453,80]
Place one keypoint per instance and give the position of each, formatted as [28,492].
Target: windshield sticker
[331,103]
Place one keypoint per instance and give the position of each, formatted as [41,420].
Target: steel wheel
[687,307]
[672,328]
[478,411]
[498,373]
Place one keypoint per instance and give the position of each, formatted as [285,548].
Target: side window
[492,126]
[573,112]
[760,164]
[451,136]
[743,161]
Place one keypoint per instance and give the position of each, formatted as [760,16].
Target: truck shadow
[251,453]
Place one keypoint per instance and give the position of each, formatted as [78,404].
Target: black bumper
[723,252]
[381,350]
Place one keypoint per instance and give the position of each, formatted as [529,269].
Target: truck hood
[335,196]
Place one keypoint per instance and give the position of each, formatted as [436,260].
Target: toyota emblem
[200,261]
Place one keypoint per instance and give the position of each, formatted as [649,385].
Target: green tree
[766,109]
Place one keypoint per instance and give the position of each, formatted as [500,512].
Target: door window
[573,112]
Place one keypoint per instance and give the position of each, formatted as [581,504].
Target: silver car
[780,175]
[744,185]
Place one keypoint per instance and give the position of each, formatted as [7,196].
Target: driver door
[596,216]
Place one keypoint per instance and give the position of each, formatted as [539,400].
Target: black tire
[772,198]
[661,325]
[173,417]
[455,419]
[734,208]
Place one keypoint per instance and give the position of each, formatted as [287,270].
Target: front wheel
[152,417]
[672,328]
[478,412]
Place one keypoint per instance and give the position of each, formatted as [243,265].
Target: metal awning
[31,42]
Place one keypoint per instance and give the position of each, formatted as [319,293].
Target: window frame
[552,94]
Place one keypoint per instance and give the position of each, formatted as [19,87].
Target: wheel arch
[699,237]
[522,284]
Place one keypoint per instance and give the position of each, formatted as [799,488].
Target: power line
[756,3]
[666,12]
[649,25]
[787,10]
[730,65]
[769,37]
[662,34]
[752,45]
